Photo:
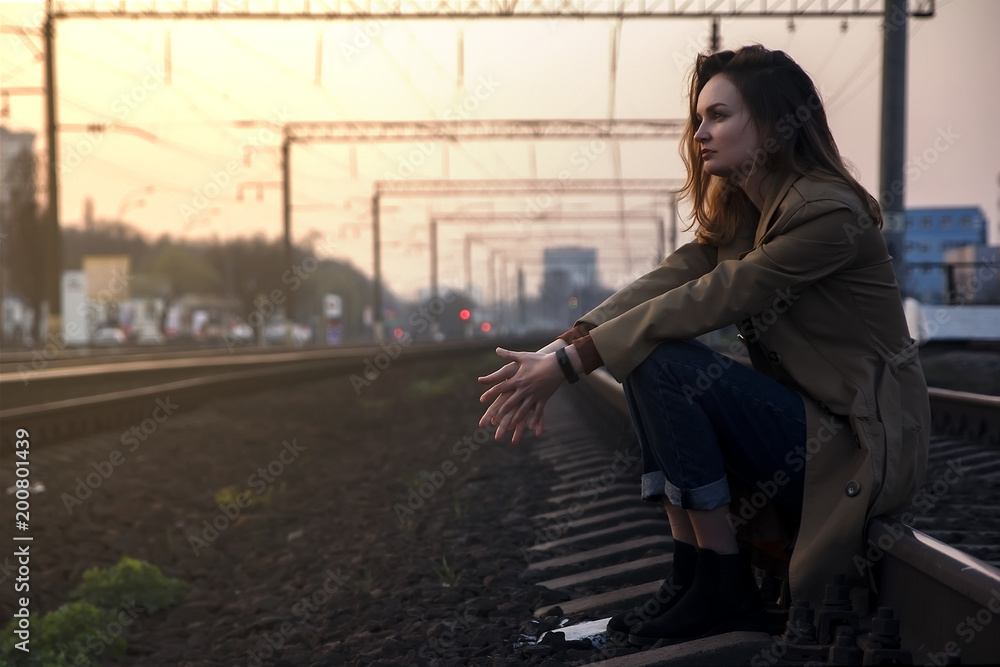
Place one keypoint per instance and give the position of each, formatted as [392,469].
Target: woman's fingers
[495,390]
[490,416]
[536,416]
[522,417]
[523,411]
[501,428]
[518,430]
[505,372]
[505,417]
[527,418]
[518,393]
[491,411]
[501,406]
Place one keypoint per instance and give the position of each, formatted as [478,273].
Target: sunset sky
[180,135]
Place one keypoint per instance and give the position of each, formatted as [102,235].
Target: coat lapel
[786,181]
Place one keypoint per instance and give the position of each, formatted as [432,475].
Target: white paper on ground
[595,631]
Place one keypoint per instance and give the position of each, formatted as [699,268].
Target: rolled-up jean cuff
[708,497]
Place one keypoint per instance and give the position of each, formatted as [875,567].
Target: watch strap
[566,365]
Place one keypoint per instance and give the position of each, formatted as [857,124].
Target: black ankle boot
[722,598]
[676,584]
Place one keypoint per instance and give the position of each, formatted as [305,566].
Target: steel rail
[969,415]
[54,421]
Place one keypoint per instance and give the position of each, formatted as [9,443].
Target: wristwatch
[566,365]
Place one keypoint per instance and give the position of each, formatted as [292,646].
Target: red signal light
[464,314]
[485,327]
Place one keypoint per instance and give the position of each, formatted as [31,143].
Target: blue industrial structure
[929,234]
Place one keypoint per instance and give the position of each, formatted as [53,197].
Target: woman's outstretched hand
[519,391]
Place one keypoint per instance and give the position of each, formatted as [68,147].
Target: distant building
[569,285]
[929,234]
[16,316]
[11,145]
[973,275]
[578,265]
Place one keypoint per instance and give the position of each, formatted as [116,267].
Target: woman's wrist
[574,359]
[553,346]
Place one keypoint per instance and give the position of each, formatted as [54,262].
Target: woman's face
[726,133]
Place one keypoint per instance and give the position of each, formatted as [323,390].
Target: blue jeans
[699,414]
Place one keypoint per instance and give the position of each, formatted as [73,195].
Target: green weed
[230,495]
[75,634]
[446,575]
[130,580]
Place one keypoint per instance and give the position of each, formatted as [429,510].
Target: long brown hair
[792,128]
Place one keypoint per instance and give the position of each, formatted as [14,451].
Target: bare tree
[20,249]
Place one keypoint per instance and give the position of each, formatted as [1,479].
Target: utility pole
[51,235]
[522,317]
[891,183]
[377,286]
[286,212]
[434,274]
[661,242]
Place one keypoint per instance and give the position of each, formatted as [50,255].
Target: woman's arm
[687,263]
[734,290]
[520,389]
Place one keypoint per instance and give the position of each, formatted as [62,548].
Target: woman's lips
[705,153]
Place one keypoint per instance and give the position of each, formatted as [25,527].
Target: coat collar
[785,180]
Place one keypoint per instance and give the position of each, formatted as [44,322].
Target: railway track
[938,575]
[70,398]
[599,550]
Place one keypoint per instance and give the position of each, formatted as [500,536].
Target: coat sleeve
[690,261]
[768,277]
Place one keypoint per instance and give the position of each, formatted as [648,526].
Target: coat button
[852,489]
[774,357]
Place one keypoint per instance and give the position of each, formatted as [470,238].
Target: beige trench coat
[812,290]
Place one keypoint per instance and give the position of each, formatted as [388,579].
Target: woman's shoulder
[813,195]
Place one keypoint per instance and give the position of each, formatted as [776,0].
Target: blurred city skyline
[196,151]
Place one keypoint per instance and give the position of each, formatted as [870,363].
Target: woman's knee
[689,353]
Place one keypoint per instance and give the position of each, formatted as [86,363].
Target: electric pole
[891,183]
[51,236]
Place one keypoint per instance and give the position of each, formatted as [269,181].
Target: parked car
[241,333]
[275,333]
[109,337]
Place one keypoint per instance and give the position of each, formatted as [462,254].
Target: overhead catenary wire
[183,96]
[239,141]
[866,64]
[423,100]
[331,101]
[460,87]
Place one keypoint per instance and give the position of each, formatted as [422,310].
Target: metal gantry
[462,129]
[589,217]
[453,130]
[552,188]
[383,10]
